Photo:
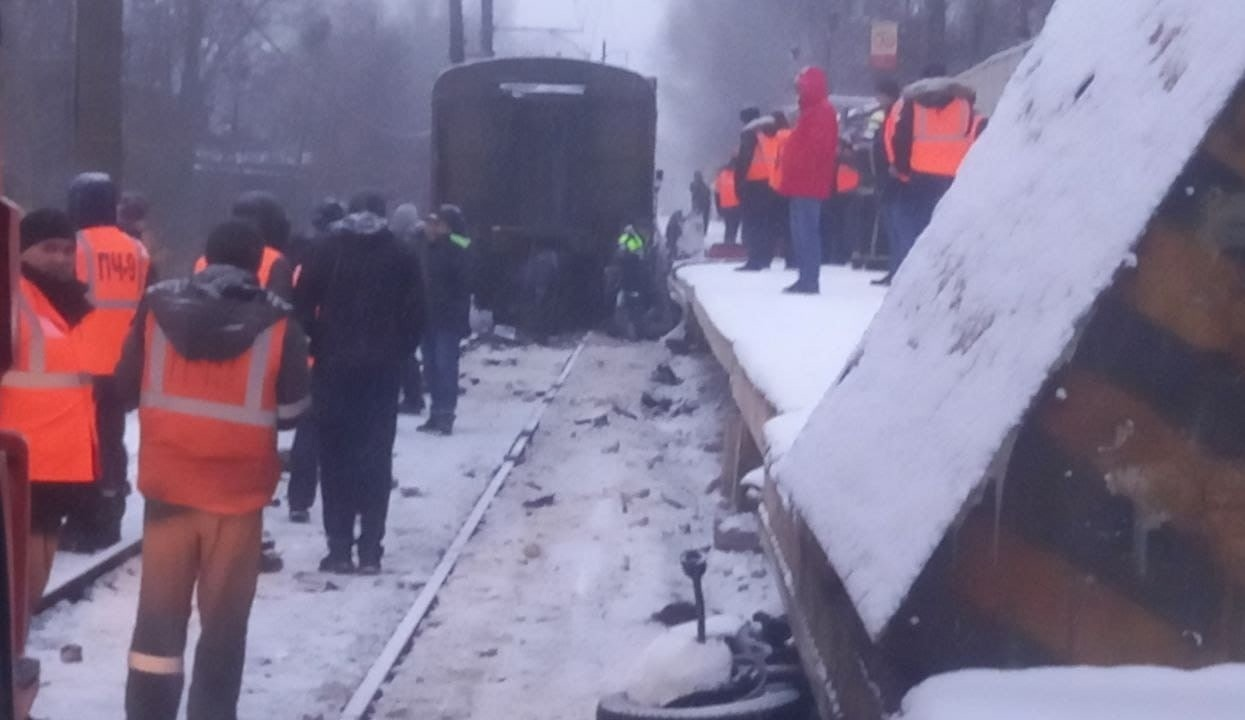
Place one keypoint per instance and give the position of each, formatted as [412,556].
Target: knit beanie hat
[45,224]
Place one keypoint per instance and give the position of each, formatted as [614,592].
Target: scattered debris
[642,522]
[268,543]
[687,407]
[676,613]
[672,502]
[685,528]
[270,562]
[534,486]
[330,586]
[598,421]
[665,375]
[737,533]
[613,449]
[71,654]
[531,551]
[412,492]
[620,410]
[490,653]
[275,502]
[656,404]
[655,461]
[541,502]
[712,448]
[507,362]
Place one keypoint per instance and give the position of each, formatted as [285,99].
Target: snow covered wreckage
[1038,454]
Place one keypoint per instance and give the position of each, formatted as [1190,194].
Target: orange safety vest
[208,436]
[780,142]
[942,137]
[888,131]
[847,180]
[265,265]
[47,396]
[114,267]
[728,196]
[764,158]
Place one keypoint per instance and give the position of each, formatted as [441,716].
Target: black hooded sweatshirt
[361,297]
[215,316]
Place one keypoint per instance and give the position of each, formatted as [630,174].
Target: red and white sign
[884,45]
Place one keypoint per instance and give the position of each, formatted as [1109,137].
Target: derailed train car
[550,159]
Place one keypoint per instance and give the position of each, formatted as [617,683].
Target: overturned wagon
[1036,456]
[550,159]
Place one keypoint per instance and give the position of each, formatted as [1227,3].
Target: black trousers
[730,216]
[412,382]
[761,223]
[357,414]
[97,524]
[304,464]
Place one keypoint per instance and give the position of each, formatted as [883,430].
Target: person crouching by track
[448,259]
[215,364]
[47,396]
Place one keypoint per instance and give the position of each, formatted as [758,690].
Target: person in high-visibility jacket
[215,365]
[265,212]
[727,200]
[760,205]
[935,127]
[116,270]
[47,395]
[887,92]
[448,261]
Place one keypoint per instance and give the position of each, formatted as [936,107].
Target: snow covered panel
[1099,119]
[1127,693]
[791,347]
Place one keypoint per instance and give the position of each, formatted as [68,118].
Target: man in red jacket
[809,164]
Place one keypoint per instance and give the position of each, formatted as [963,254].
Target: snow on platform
[790,347]
[1125,693]
[1099,119]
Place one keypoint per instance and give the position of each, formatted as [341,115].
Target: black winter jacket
[361,296]
[449,269]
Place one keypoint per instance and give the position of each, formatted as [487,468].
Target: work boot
[337,564]
[441,426]
[270,562]
[798,289]
[369,567]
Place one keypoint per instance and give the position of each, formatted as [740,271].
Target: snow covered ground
[792,347]
[313,636]
[549,607]
[1126,693]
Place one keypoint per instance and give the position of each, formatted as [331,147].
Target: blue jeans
[441,371]
[806,240]
[913,209]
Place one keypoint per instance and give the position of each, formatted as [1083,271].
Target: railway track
[360,705]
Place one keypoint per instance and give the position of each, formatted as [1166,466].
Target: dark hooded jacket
[450,270]
[361,296]
[215,316]
[935,93]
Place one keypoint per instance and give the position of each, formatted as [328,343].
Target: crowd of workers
[215,364]
[779,188]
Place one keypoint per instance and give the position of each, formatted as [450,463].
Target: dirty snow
[1101,116]
[791,347]
[1078,693]
[313,636]
[549,607]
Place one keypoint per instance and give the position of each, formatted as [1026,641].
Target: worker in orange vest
[215,365]
[760,205]
[935,127]
[727,201]
[265,212]
[47,395]
[116,270]
[887,92]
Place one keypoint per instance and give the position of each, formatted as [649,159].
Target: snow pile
[1127,693]
[675,665]
[791,347]
[1100,117]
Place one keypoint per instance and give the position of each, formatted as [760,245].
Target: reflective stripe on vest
[92,282]
[631,243]
[250,412]
[37,377]
[941,141]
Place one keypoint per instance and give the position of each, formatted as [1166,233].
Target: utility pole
[458,30]
[97,108]
[487,28]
